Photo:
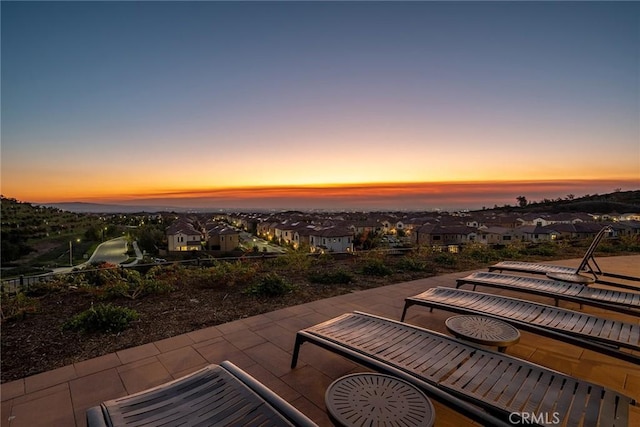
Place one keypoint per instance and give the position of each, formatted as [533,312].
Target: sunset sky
[377,105]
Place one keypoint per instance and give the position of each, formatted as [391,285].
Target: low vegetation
[102,318]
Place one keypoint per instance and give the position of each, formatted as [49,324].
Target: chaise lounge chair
[218,395]
[595,333]
[588,265]
[619,301]
[489,387]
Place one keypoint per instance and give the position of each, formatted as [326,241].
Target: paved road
[113,251]
[250,241]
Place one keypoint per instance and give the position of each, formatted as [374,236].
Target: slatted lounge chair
[218,395]
[588,265]
[619,301]
[595,333]
[487,386]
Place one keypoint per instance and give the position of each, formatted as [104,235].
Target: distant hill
[617,202]
[81,207]
[32,230]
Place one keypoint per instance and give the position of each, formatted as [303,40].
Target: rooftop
[262,346]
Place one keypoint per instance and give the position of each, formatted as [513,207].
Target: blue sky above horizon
[179,99]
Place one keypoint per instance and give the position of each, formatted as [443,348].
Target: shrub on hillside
[271,285]
[223,274]
[414,262]
[544,249]
[480,253]
[331,277]
[102,318]
[376,267]
[297,261]
[18,306]
[446,259]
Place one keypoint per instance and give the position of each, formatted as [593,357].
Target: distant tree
[150,238]
[522,201]
[93,233]
[570,196]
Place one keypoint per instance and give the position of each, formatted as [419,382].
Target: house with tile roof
[366,226]
[497,235]
[443,235]
[302,236]
[538,234]
[333,239]
[183,236]
[222,237]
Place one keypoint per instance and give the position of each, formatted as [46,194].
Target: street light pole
[70,254]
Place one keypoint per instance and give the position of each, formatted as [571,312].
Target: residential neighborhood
[353,231]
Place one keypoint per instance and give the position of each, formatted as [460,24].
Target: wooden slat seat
[217,395]
[587,272]
[619,301]
[604,335]
[466,377]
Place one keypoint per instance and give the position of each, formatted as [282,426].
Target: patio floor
[262,346]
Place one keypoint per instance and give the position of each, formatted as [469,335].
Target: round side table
[483,330]
[370,399]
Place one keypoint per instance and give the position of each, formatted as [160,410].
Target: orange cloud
[444,195]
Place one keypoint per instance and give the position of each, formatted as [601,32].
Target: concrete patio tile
[274,383]
[270,357]
[331,364]
[12,389]
[189,370]
[49,378]
[283,313]
[288,312]
[422,317]
[95,388]
[204,334]
[314,318]
[309,382]
[556,361]
[294,324]
[57,406]
[317,415]
[521,351]
[552,345]
[137,353]
[5,413]
[592,356]
[258,322]
[97,364]
[632,386]
[278,335]
[235,326]
[606,375]
[328,308]
[216,351]
[333,310]
[174,343]
[143,374]
[181,359]
[41,393]
[634,416]
[447,417]
[385,310]
[244,339]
